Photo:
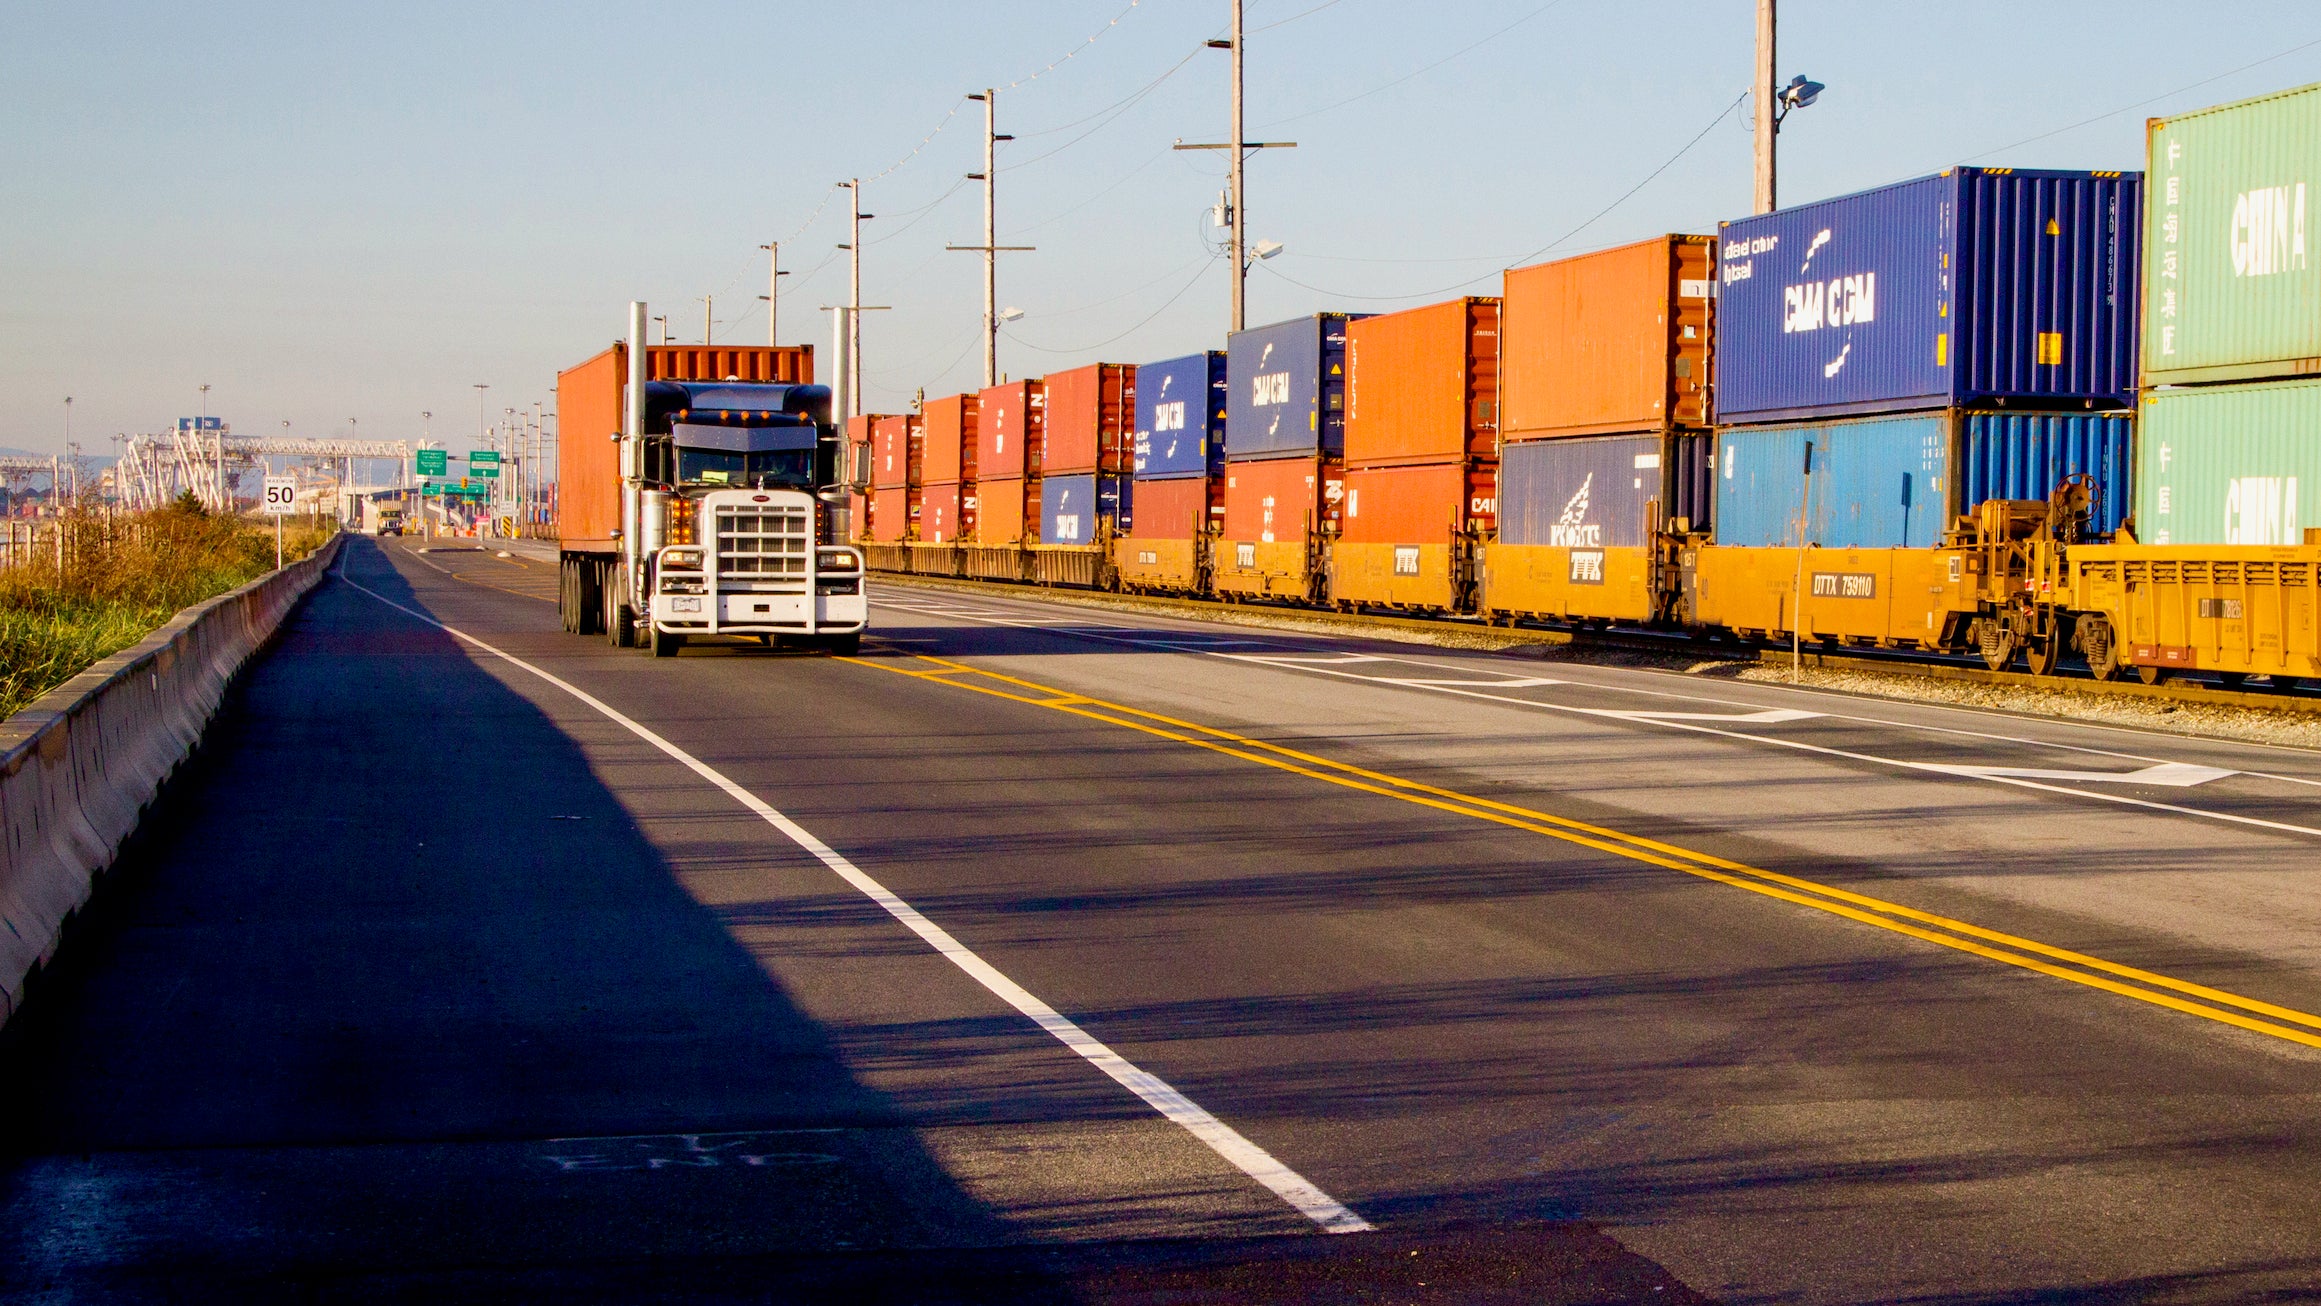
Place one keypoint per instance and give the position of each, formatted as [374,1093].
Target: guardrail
[79,767]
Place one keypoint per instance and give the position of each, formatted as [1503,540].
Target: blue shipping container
[1286,388]
[1068,510]
[1998,286]
[1180,417]
[1116,499]
[2026,455]
[1896,482]
[1590,493]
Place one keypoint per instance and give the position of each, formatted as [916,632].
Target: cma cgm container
[1010,422]
[2230,464]
[2232,281]
[1180,417]
[1069,509]
[1897,482]
[948,436]
[1277,512]
[1286,389]
[1976,286]
[1422,385]
[1089,411]
[1610,342]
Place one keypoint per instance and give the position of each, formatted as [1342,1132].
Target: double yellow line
[1962,936]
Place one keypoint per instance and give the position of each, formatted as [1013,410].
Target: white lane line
[1769,717]
[1227,1142]
[2174,775]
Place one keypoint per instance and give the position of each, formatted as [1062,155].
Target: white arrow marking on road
[2174,775]
[1770,716]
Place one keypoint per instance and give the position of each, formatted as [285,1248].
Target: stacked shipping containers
[1421,455]
[1604,382]
[1285,439]
[1884,360]
[2231,442]
[1083,493]
[1010,423]
[1178,471]
[947,469]
[897,449]
[859,503]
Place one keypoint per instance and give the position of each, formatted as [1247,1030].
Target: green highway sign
[433,462]
[484,462]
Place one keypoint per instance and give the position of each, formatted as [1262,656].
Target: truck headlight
[682,560]
[837,560]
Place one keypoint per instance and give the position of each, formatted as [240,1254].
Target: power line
[1284,22]
[1387,86]
[2130,108]
[1075,51]
[1111,114]
[1171,302]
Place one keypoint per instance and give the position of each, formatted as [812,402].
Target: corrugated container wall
[1280,500]
[1068,509]
[1174,509]
[2011,288]
[949,433]
[1180,416]
[939,514]
[1286,388]
[890,514]
[890,452]
[1589,493]
[1422,385]
[1089,413]
[1878,483]
[999,510]
[1010,421]
[1425,504]
[2230,464]
[2026,455]
[1610,342]
[588,479]
[2232,285]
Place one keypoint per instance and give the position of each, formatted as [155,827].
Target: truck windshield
[784,468]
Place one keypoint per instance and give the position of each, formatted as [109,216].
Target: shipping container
[1406,535]
[2231,289]
[1609,343]
[1090,411]
[1977,286]
[1069,510]
[1176,508]
[999,510]
[940,515]
[1277,512]
[1594,492]
[1009,423]
[1422,385]
[2230,464]
[1286,388]
[895,445]
[890,515]
[1180,417]
[1163,548]
[948,436]
[1689,460]
[2018,455]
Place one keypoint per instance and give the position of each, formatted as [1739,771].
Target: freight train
[2009,413]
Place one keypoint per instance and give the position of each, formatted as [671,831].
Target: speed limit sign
[281,493]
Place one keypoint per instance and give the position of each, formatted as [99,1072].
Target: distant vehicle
[382,518]
[701,493]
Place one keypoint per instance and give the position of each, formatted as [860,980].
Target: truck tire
[586,596]
[620,620]
[666,642]
[846,645]
[567,595]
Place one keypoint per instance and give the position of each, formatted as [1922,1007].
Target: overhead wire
[2130,108]
[1387,86]
[1148,320]
[1074,52]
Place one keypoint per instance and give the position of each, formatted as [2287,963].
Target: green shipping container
[2232,285]
[2229,464]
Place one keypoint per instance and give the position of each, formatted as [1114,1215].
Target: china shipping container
[1977,286]
[1612,342]
[1089,414]
[947,439]
[1277,512]
[1422,385]
[1180,417]
[1010,421]
[890,514]
[1889,482]
[2232,287]
[2230,464]
[1286,389]
[941,516]
[588,398]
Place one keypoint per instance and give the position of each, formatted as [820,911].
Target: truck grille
[765,544]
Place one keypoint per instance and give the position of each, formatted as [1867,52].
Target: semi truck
[702,494]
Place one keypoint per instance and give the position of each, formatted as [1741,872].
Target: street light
[1264,249]
[1800,91]
[1009,314]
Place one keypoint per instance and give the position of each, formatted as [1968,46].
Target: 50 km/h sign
[281,494]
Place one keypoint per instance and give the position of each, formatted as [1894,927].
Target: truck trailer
[702,493]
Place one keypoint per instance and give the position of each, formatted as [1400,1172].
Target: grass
[122,579]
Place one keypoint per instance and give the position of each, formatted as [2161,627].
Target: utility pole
[852,400]
[1767,98]
[774,275]
[1237,211]
[663,319]
[990,248]
[708,323]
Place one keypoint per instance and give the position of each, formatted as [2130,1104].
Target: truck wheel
[666,642]
[567,595]
[845,646]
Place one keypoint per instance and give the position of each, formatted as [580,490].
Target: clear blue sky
[333,211]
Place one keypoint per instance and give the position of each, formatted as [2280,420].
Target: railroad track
[2071,677]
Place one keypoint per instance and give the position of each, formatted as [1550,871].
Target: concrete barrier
[79,767]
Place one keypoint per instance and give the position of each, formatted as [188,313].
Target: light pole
[990,248]
[1235,215]
[852,399]
[774,275]
[1774,103]
[663,319]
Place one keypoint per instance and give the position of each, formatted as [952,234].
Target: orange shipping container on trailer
[999,511]
[1171,510]
[1010,420]
[1405,505]
[890,452]
[1277,500]
[949,450]
[1607,343]
[939,514]
[1422,385]
[1090,411]
[890,514]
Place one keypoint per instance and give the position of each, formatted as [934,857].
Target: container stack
[1084,489]
[859,503]
[947,475]
[2231,410]
[1285,441]
[896,449]
[1010,424]
[1604,427]
[1177,472]
[1421,455]
[1907,333]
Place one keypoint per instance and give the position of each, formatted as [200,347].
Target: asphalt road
[1052,954]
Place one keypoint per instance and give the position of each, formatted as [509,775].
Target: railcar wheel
[2044,652]
[2102,650]
[1997,645]
[2151,675]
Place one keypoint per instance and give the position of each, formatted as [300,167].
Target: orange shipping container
[999,511]
[939,514]
[891,453]
[1171,510]
[1611,342]
[890,514]
[1090,410]
[1278,500]
[1422,385]
[1405,505]
[1009,422]
[949,449]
